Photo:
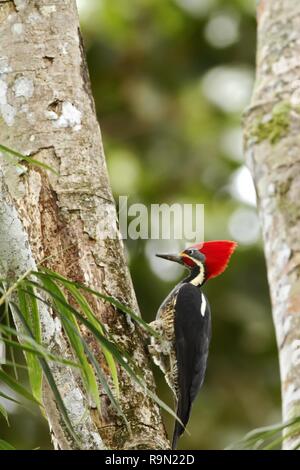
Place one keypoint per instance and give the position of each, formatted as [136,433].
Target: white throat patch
[198,280]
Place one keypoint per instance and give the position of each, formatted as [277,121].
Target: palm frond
[29,308]
[107,298]
[67,299]
[268,437]
[68,319]
[49,376]
[16,387]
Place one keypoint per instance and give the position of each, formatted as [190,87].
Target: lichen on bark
[274,126]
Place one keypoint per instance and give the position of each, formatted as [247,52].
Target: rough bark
[47,112]
[272,142]
[16,260]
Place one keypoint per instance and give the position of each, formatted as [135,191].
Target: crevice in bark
[10,2]
[85,74]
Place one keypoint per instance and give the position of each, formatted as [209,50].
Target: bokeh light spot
[242,186]
[222,29]
[165,270]
[231,143]
[244,226]
[196,7]
[229,88]
[124,170]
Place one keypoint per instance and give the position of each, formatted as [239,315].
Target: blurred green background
[171,79]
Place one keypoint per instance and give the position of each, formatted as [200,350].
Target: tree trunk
[272,142]
[16,259]
[48,113]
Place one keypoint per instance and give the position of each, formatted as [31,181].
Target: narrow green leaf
[87,370]
[93,360]
[109,344]
[103,380]
[28,307]
[86,309]
[123,361]
[265,438]
[6,294]
[40,352]
[8,321]
[18,366]
[3,412]
[49,377]
[113,301]
[7,397]
[5,445]
[14,385]
[30,160]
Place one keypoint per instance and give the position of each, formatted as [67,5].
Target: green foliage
[59,294]
[5,445]
[15,386]
[29,307]
[269,437]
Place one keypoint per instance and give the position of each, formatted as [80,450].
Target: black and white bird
[183,322]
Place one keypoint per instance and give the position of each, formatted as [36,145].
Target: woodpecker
[183,322]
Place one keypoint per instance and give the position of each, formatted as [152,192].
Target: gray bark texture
[16,260]
[272,144]
[47,112]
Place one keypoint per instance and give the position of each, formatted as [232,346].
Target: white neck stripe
[198,280]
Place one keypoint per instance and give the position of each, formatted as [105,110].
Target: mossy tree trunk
[272,143]
[47,112]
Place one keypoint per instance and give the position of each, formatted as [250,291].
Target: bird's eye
[190,252]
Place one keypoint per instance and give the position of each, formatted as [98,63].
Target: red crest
[217,254]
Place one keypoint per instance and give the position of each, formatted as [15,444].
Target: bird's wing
[192,336]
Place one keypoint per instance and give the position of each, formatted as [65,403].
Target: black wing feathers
[192,333]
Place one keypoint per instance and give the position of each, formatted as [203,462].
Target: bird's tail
[183,413]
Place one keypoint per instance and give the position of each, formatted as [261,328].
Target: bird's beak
[175,258]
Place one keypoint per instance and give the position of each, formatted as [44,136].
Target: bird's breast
[166,315]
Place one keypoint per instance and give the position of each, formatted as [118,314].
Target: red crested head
[213,255]
[217,255]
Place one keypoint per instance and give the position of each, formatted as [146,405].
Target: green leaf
[110,345]
[38,350]
[3,412]
[49,377]
[14,385]
[103,380]
[266,438]
[123,361]
[86,309]
[8,319]
[92,359]
[27,159]
[5,445]
[28,307]
[7,397]
[87,370]
[113,301]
